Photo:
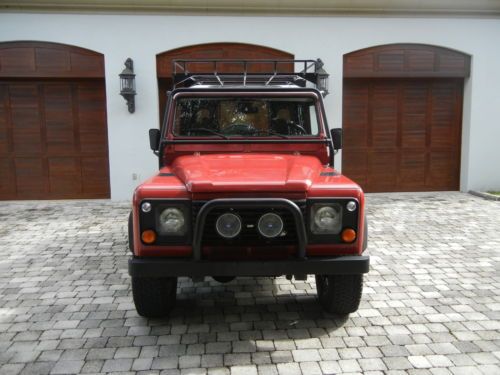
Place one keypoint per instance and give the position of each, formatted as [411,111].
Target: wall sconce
[322,77]
[127,84]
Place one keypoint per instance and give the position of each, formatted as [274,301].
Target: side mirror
[336,138]
[154,139]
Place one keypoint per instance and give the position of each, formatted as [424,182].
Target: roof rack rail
[256,72]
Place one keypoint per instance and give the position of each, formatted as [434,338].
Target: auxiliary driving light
[348,235]
[148,236]
[228,225]
[270,225]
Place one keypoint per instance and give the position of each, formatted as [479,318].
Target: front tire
[339,294]
[154,297]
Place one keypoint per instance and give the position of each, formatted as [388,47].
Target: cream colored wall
[141,37]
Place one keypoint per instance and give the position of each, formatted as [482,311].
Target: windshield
[247,117]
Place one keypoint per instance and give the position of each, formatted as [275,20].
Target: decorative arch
[49,60]
[216,51]
[406,60]
[223,50]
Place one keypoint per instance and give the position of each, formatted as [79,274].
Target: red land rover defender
[246,187]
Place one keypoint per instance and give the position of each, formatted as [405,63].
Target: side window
[313,120]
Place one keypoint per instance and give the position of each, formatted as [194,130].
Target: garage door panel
[65,176]
[4,120]
[356,102]
[443,115]
[25,117]
[91,98]
[31,178]
[356,164]
[413,115]
[94,177]
[382,170]
[59,123]
[92,120]
[440,165]
[7,177]
[412,170]
[384,115]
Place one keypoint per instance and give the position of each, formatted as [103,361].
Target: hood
[246,172]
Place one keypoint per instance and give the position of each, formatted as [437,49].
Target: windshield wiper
[271,132]
[206,130]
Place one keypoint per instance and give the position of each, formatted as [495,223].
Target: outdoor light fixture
[127,84]
[322,77]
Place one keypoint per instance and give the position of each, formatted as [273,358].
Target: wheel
[130,234]
[154,297]
[224,279]
[339,294]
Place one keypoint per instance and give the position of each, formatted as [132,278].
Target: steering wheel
[239,129]
[295,129]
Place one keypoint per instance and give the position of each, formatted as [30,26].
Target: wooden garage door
[233,51]
[403,135]
[402,123]
[53,136]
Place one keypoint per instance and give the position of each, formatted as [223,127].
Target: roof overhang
[266,7]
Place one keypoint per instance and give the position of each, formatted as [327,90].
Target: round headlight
[172,221]
[326,218]
[270,225]
[351,206]
[146,207]
[228,225]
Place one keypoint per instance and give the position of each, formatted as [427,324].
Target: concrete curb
[488,196]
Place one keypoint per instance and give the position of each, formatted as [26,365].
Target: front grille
[249,235]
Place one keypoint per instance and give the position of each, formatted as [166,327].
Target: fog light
[270,225]
[146,207]
[351,206]
[348,235]
[148,236]
[228,225]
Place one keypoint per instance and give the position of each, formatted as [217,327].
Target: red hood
[247,172]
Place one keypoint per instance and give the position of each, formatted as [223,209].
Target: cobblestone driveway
[431,302]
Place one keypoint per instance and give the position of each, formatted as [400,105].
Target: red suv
[246,187]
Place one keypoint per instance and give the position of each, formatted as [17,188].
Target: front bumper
[168,267]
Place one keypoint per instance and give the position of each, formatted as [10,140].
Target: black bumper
[168,267]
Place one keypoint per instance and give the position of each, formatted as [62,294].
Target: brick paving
[431,302]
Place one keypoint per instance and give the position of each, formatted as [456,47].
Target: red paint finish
[246,172]
[204,177]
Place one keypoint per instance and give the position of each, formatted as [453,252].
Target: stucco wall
[141,37]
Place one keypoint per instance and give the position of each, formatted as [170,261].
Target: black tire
[154,297]
[339,294]
[365,235]
[224,279]
[130,233]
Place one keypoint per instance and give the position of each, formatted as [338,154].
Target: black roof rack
[258,72]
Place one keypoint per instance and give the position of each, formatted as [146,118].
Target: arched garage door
[402,117]
[53,134]
[233,51]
